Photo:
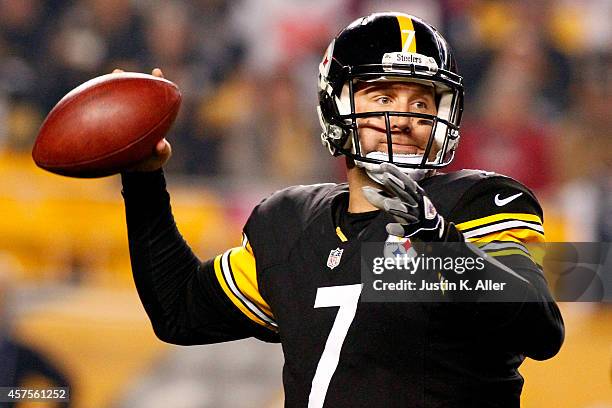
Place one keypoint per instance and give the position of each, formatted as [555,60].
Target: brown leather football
[106,125]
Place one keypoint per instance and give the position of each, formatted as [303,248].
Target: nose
[401,123]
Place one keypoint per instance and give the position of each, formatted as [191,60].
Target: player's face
[409,134]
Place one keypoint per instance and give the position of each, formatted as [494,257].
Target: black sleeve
[529,320]
[181,295]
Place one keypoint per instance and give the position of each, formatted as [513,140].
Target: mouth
[401,142]
[400,148]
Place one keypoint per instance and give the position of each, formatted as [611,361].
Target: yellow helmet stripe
[407,31]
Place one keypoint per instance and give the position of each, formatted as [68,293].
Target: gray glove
[415,214]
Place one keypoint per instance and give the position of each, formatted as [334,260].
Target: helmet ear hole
[330,110]
[334,133]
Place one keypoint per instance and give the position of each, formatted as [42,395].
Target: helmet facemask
[370,50]
[343,136]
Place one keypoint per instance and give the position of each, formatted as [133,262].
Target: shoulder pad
[302,202]
[446,189]
[280,219]
[454,193]
[469,175]
[496,196]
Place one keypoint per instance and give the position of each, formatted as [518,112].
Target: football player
[390,100]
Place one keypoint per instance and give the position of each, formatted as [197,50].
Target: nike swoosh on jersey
[500,202]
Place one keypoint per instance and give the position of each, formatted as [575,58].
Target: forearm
[523,316]
[177,291]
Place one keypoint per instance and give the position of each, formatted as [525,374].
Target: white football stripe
[232,285]
[501,227]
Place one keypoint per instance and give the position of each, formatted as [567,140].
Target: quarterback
[390,101]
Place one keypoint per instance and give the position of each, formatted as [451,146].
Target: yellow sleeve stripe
[522,235]
[503,226]
[533,251]
[231,295]
[247,245]
[244,272]
[245,305]
[499,217]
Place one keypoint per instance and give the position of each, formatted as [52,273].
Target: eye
[420,105]
[383,100]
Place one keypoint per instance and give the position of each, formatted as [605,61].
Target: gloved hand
[415,214]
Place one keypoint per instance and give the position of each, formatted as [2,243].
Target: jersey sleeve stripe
[229,287]
[247,245]
[241,263]
[506,225]
[492,226]
[508,252]
[494,246]
[230,295]
[535,252]
[524,235]
[480,222]
[230,277]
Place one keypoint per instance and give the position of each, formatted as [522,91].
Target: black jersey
[340,352]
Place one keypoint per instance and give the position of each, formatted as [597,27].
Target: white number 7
[346,298]
[410,37]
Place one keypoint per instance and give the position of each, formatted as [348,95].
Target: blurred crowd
[537,76]
[538,79]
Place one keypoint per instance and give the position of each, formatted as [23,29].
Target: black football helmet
[392,46]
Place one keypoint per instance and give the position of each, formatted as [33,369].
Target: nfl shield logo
[334,258]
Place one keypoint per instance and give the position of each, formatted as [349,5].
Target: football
[106,125]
